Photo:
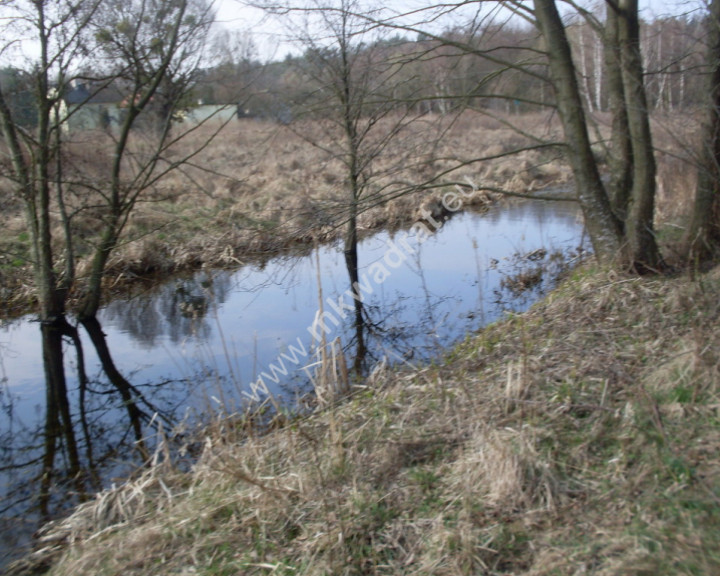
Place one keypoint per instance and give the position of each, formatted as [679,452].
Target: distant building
[209,113]
[92,106]
[96,106]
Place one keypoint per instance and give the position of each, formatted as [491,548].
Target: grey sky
[272,41]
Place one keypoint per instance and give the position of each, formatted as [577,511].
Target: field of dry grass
[578,438]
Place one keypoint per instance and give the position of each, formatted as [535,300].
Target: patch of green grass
[223,561]
[426,478]
[682,393]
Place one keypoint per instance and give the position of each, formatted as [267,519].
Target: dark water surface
[194,345]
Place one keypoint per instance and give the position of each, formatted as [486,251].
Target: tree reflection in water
[83,440]
[97,424]
[178,308]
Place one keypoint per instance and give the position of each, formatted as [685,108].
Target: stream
[208,343]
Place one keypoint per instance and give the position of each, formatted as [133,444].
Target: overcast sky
[272,41]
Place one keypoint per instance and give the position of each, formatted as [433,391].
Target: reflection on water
[171,311]
[61,452]
[80,404]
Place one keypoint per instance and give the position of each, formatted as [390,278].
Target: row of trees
[671,49]
[439,71]
[620,214]
[553,72]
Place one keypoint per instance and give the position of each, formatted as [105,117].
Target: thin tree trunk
[31,189]
[120,201]
[584,70]
[91,300]
[68,276]
[621,159]
[598,71]
[52,303]
[660,101]
[351,263]
[351,115]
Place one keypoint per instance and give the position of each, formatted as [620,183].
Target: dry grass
[579,438]
[676,139]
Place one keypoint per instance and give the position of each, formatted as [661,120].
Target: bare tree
[619,220]
[351,79]
[639,235]
[603,226]
[153,50]
[620,157]
[619,217]
[57,29]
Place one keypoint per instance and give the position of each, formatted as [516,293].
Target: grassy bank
[581,437]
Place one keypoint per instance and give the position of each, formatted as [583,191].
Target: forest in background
[436,76]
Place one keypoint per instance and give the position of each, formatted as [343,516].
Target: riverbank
[579,437]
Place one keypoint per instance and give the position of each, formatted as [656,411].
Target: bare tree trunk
[642,248]
[351,263]
[31,170]
[584,70]
[90,302]
[351,236]
[121,200]
[660,101]
[703,238]
[621,159]
[34,196]
[603,227]
[681,98]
